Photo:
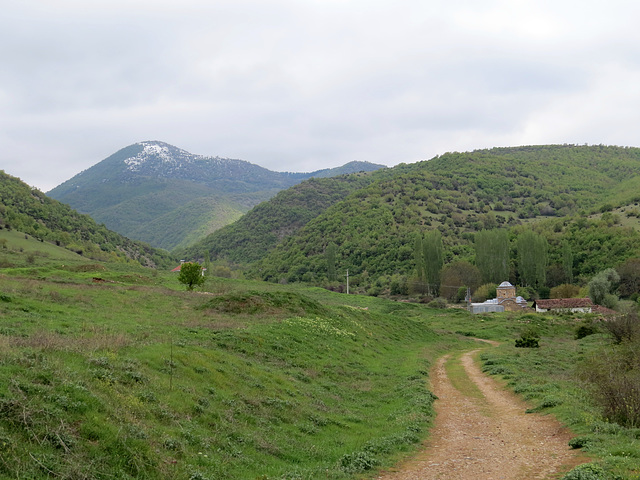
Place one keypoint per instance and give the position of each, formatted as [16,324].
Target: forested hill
[259,231]
[460,194]
[30,211]
[168,197]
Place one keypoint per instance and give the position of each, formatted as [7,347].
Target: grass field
[113,371]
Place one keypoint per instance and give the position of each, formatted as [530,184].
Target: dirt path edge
[486,438]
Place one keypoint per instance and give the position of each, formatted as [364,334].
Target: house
[560,305]
[506,301]
[179,268]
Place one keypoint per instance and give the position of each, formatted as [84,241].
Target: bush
[585,329]
[437,303]
[528,339]
[610,301]
[527,342]
[587,471]
[582,442]
[527,293]
[624,327]
[357,462]
[615,378]
[484,292]
[565,290]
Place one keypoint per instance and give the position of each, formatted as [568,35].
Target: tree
[602,285]
[567,261]
[207,262]
[532,258]
[492,255]
[565,290]
[331,262]
[191,275]
[418,257]
[484,292]
[459,274]
[629,273]
[433,259]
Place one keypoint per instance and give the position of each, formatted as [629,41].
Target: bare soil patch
[488,437]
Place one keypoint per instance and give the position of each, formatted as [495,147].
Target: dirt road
[486,435]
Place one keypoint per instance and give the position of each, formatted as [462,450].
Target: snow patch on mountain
[162,154]
[158,151]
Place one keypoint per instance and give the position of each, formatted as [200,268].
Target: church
[506,301]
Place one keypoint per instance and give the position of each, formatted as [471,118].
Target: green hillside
[460,194]
[108,371]
[139,190]
[261,229]
[189,223]
[123,379]
[31,212]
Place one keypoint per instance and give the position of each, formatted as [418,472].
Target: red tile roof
[603,310]
[552,303]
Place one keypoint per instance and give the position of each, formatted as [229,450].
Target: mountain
[30,211]
[579,194]
[168,197]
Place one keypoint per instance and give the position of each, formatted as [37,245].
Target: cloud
[306,84]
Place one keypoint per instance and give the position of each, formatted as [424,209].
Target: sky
[300,85]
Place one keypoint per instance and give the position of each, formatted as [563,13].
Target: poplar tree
[433,259]
[532,258]
[492,255]
[567,262]
[418,257]
[331,262]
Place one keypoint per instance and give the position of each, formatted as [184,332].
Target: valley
[110,368]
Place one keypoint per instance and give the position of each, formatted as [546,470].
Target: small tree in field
[191,275]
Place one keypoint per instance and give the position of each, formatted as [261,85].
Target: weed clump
[587,471]
[528,339]
[357,462]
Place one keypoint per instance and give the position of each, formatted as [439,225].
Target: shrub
[528,339]
[357,462]
[484,292]
[624,327]
[565,290]
[587,471]
[585,329]
[615,379]
[437,303]
[582,442]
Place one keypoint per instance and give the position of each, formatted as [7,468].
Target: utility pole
[347,282]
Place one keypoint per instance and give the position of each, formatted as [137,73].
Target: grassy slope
[133,378]
[130,379]
[30,211]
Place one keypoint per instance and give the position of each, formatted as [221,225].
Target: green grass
[459,378]
[127,378]
[130,376]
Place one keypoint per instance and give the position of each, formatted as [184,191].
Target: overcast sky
[301,85]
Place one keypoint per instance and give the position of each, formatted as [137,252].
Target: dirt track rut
[487,438]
